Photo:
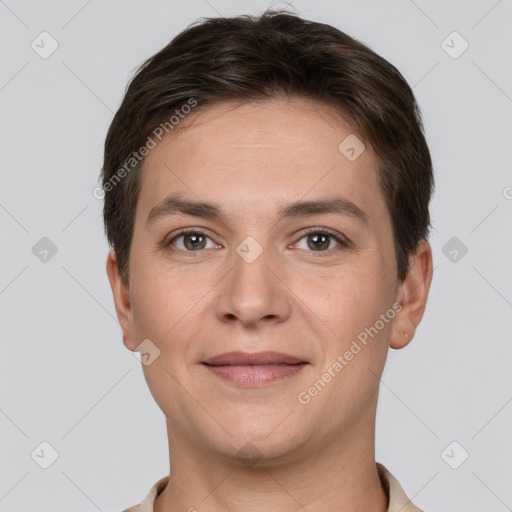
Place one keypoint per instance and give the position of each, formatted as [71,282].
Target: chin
[259,447]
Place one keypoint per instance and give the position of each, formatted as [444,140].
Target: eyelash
[343,244]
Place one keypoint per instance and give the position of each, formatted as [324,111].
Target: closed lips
[255,359]
[243,369]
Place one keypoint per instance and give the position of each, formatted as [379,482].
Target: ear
[122,301]
[412,295]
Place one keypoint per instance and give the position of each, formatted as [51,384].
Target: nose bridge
[252,291]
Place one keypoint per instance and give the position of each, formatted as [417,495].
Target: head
[295,158]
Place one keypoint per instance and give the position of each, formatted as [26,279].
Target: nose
[254,292]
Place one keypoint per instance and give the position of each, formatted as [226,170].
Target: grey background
[65,376]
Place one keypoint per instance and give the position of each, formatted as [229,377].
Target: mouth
[256,369]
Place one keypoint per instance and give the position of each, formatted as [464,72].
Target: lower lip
[255,375]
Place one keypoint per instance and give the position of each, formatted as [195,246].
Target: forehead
[260,156]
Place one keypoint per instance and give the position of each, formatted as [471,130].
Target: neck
[340,476]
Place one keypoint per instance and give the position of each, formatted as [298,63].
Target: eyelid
[184,231]
[327,231]
[343,241]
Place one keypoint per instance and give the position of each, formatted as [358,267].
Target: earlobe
[412,295]
[122,302]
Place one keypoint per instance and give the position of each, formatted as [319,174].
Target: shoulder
[146,505]
[398,500]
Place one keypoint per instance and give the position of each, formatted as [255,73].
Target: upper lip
[240,358]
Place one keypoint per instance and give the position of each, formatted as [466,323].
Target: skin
[294,298]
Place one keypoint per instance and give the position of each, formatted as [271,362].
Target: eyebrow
[174,204]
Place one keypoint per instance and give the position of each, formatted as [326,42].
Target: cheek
[170,309]
[353,306]
[157,305]
[346,299]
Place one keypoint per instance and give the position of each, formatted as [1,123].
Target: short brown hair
[248,58]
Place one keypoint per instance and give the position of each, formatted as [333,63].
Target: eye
[320,240]
[192,241]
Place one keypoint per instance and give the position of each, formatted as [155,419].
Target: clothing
[398,501]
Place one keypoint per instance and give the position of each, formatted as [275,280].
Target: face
[274,311]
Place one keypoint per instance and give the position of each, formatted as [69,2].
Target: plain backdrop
[66,378]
